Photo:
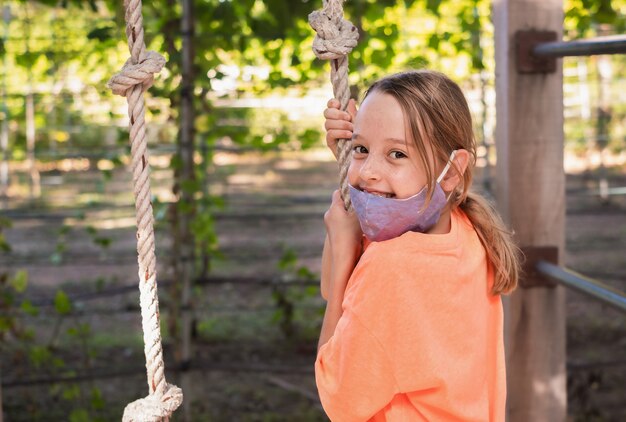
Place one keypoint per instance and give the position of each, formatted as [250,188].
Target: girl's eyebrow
[396,141]
[356,136]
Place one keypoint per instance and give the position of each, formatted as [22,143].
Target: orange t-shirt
[420,338]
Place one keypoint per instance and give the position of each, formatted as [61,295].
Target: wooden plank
[531,197]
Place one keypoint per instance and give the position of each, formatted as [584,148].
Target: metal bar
[588,286]
[614,44]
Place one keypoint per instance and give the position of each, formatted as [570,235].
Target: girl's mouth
[381,194]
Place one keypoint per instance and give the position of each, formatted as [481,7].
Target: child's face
[384,162]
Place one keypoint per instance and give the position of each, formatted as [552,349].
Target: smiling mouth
[381,194]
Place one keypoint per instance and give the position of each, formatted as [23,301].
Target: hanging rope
[134,79]
[335,39]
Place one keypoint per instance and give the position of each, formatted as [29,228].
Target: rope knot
[336,37]
[154,408]
[141,73]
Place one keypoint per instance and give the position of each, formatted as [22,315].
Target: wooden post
[531,197]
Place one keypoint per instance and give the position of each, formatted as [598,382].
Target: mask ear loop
[445,170]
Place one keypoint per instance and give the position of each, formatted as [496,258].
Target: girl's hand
[338,123]
[344,231]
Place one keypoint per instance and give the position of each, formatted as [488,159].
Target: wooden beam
[531,197]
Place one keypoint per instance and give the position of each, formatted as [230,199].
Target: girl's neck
[443,225]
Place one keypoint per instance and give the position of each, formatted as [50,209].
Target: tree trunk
[604,114]
[186,149]
[169,31]
[4,130]
[35,186]
[4,147]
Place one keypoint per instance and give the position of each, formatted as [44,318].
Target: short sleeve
[353,374]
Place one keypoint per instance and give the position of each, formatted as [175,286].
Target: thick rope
[335,39]
[137,76]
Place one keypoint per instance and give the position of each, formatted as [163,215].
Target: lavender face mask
[385,218]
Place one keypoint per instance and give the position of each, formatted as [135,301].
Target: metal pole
[614,44]
[595,289]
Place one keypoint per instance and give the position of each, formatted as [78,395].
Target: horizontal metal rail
[588,286]
[614,44]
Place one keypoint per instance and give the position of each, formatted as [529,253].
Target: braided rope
[335,39]
[132,81]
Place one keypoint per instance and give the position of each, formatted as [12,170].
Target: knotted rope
[335,39]
[137,76]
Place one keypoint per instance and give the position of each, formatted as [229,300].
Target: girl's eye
[397,154]
[359,149]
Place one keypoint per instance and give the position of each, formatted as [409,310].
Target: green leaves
[40,356]
[102,33]
[288,264]
[28,308]
[583,17]
[62,303]
[433,6]
[4,224]
[288,260]
[19,281]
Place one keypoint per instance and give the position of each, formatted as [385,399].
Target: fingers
[338,115]
[334,103]
[336,201]
[336,198]
[352,109]
[338,123]
[343,227]
[333,110]
[343,129]
[336,208]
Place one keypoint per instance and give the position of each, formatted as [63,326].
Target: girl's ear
[455,174]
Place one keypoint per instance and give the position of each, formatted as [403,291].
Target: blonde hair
[440,122]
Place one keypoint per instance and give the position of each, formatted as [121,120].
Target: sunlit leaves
[584,17]
[19,281]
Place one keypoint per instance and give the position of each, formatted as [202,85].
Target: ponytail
[502,253]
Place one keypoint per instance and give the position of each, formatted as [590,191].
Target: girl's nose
[369,169]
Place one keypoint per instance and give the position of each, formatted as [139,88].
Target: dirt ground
[251,362]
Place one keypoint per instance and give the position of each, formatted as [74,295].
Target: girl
[413,276]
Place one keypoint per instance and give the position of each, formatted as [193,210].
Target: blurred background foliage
[63,51]
[258,87]
[256,83]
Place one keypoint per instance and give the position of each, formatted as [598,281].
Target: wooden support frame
[530,194]
[531,277]
[526,61]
